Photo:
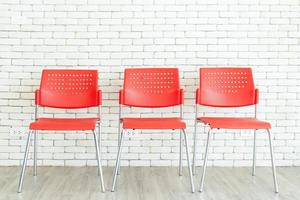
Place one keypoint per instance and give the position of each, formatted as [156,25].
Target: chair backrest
[68,89]
[151,88]
[226,87]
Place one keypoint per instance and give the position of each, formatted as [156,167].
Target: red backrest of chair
[226,87]
[151,87]
[69,89]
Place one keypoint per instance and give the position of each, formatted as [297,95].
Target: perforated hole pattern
[152,82]
[229,82]
[73,83]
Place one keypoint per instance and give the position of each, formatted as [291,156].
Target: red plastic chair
[227,88]
[152,88]
[66,89]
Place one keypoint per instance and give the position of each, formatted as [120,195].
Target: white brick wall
[110,35]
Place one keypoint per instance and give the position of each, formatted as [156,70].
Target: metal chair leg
[195,145]
[119,134]
[35,154]
[99,162]
[99,137]
[117,162]
[24,163]
[188,160]
[99,141]
[180,154]
[205,160]
[254,154]
[273,164]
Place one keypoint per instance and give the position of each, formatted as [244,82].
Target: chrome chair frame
[254,152]
[97,146]
[121,135]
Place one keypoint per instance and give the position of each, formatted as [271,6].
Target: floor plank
[149,183]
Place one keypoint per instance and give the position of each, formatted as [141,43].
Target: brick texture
[110,35]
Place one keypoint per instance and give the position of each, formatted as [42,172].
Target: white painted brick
[111,35]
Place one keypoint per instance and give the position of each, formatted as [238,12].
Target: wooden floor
[143,183]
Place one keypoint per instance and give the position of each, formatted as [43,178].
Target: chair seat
[64,124]
[234,123]
[153,123]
